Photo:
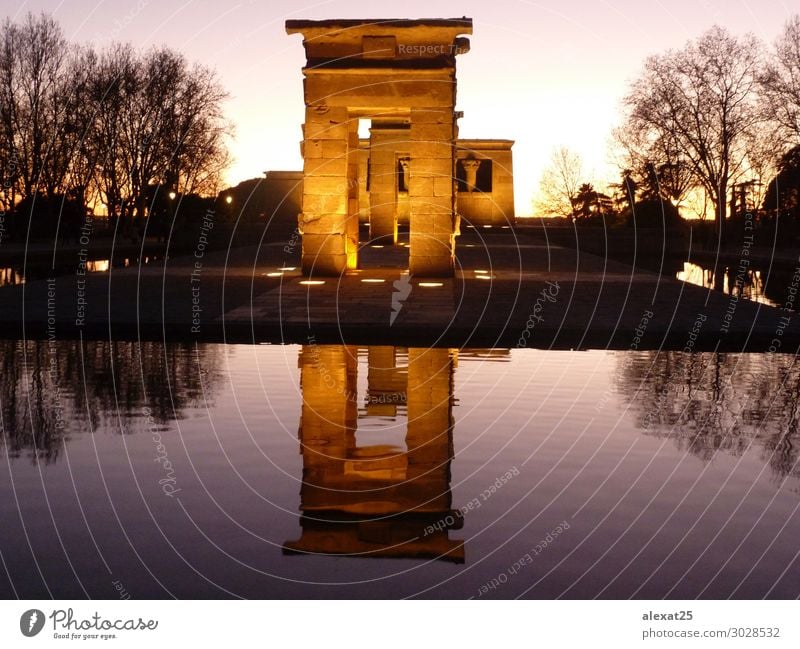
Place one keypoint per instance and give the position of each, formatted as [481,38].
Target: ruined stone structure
[488,200]
[485,182]
[400,76]
[367,499]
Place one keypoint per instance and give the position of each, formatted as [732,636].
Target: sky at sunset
[541,73]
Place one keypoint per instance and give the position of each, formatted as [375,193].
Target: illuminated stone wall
[492,205]
[370,499]
[356,69]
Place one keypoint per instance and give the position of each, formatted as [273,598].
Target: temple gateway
[412,171]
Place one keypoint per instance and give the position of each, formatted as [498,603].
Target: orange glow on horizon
[543,75]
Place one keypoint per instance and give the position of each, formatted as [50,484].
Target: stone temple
[412,171]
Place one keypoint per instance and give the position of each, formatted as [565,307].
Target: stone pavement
[509,291]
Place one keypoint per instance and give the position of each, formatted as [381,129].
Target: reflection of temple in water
[362,497]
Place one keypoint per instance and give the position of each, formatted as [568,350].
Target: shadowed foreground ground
[531,295]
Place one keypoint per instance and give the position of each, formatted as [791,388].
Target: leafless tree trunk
[560,184]
[656,162]
[703,98]
[115,124]
[780,82]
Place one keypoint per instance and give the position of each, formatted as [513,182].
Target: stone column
[405,164]
[353,153]
[471,172]
[324,221]
[430,424]
[386,383]
[330,410]
[432,217]
[383,145]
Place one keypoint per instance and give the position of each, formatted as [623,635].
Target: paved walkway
[509,291]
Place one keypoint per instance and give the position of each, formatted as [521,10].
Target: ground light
[430,284]
[312,282]
[373,280]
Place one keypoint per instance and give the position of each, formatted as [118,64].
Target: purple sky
[541,73]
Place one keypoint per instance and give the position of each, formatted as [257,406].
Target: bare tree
[762,163]
[560,184]
[655,163]
[702,100]
[67,169]
[113,90]
[34,56]
[9,169]
[113,125]
[149,121]
[780,82]
[196,137]
[83,153]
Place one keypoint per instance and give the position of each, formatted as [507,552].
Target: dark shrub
[653,214]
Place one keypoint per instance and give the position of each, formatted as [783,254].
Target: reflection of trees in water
[712,401]
[49,390]
[781,282]
[769,285]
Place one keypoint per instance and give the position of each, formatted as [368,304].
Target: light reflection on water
[751,286]
[14,276]
[338,471]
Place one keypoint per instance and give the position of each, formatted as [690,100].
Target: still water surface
[13,276]
[768,287]
[333,471]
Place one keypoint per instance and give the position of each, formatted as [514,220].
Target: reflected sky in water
[748,283]
[337,471]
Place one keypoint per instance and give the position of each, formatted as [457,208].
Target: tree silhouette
[589,202]
[107,125]
[780,81]
[626,190]
[701,101]
[560,184]
[782,197]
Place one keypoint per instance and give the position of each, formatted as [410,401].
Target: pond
[768,287]
[14,275]
[266,471]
